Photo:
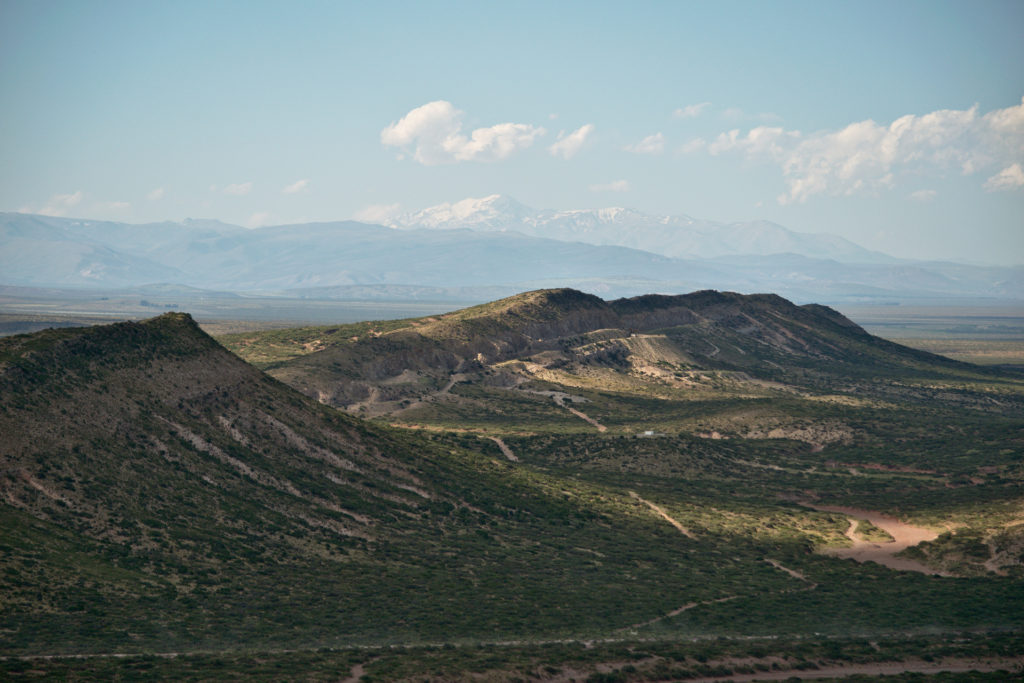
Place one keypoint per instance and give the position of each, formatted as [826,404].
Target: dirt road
[1014,666]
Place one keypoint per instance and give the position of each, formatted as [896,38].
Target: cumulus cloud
[568,145]
[380,214]
[434,133]
[238,189]
[296,187]
[923,195]
[1010,178]
[691,111]
[156,194]
[60,204]
[652,144]
[867,156]
[613,186]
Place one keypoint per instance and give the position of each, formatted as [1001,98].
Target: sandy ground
[904,535]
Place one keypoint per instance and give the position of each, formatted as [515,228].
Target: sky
[899,126]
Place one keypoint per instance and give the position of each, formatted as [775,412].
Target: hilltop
[653,339]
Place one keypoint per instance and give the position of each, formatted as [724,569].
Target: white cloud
[1010,178]
[380,214]
[693,146]
[296,187]
[60,204]
[613,186]
[434,131]
[238,189]
[568,145]
[156,194]
[114,206]
[923,195]
[691,111]
[652,144]
[259,219]
[867,156]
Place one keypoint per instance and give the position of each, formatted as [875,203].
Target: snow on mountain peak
[494,212]
[676,236]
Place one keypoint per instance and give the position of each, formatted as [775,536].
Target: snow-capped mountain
[675,236]
[44,251]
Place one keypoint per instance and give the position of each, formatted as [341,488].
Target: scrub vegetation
[655,509]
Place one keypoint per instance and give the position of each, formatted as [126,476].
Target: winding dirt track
[904,535]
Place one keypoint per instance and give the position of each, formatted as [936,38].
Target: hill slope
[651,338]
[159,493]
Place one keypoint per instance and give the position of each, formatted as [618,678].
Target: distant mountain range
[495,246]
[675,236]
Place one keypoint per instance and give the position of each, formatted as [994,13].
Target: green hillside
[563,471]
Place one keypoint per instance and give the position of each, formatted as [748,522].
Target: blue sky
[897,125]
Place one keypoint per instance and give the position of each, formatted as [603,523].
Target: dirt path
[664,515]
[1014,665]
[904,536]
[560,398]
[355,674]
[504,448]
[455,379]
[678,611]
[584,416]
[792,572]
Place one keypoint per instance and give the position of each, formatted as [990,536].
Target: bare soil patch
[904,535]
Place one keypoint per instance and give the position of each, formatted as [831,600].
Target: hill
[577,484]
[558,375]
[159,492]
[656,342]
